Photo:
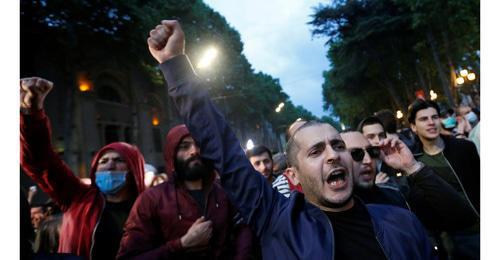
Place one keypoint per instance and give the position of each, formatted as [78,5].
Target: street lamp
[250,144]
[433,94]
[465,74]
[207,58]
[399,114]
[279,107]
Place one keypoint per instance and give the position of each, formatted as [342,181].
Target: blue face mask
[449,122]
[471,117]
[110,182]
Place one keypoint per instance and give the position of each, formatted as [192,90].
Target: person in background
[188,217]
[262,160]
[457,162]
[93,215]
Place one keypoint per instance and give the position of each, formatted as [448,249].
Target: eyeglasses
[358,154]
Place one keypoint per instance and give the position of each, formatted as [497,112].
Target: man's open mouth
[336,178]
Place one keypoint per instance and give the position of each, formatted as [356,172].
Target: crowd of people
[367,193]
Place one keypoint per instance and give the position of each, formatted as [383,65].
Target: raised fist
[33,92]
[166,40]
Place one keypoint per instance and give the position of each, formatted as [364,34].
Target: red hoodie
[164,213]
[82,204]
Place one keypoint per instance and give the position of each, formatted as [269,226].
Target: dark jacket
[164,213]
[288,228]
[436,204]
[82,204]
[464,159]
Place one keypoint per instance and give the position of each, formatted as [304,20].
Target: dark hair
[418,105]
[387,120]
[258,150]
[279,163]
[47,237]
[371,120]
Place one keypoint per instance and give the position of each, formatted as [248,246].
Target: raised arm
[247,189]
[38,159]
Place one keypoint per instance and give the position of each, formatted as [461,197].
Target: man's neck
[434,146]
[194,185]
[347,206]
[120,196]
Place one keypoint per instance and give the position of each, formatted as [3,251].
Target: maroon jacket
[82,204]
[164,213]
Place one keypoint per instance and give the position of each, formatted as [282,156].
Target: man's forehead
[354,140]
[430,111]
[373,128]
[187,139]
[314,134]
[111,154]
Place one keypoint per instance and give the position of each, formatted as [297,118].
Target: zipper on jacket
[333,236]
[97,224]
[461,186]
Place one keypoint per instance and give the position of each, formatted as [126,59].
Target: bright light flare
[464,73]
[207,58]
[433,95]
[471,76]
[250,144]
[460,80]
[399,114]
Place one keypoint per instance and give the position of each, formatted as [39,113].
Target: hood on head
[133,157]
[174,137]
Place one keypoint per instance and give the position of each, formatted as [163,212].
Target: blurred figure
[93,214]
[47,238]
[283,183]
[261,159]
[38,214]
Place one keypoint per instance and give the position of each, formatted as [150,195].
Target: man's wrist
[415,167]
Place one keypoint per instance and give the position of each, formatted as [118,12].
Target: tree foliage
[381,52]
[64,30]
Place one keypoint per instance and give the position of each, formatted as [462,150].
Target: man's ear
[291,173]
[413,128]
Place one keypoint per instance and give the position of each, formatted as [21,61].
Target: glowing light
[298,119]
[250,144]
[84,84]
[464,73]
[471,76]
[460,80]
[280,106]
[207,58]
[342,126]
[433,95]
[399,114]
[155,121]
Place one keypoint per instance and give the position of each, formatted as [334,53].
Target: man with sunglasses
[317,224]
[433,201]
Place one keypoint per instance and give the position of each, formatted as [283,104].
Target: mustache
[192,159]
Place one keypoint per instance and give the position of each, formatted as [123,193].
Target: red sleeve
[142,238]
[244,242]
[42,164]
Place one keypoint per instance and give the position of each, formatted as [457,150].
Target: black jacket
[463,157]
[436,204]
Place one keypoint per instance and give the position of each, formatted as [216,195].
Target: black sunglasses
[358,154]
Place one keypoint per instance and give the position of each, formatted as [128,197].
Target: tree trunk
[445,83]
[421,81]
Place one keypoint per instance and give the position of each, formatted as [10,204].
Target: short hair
[387,120]
[279,163]
[418,105]
[371,120]
[291,146]
[258,150]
